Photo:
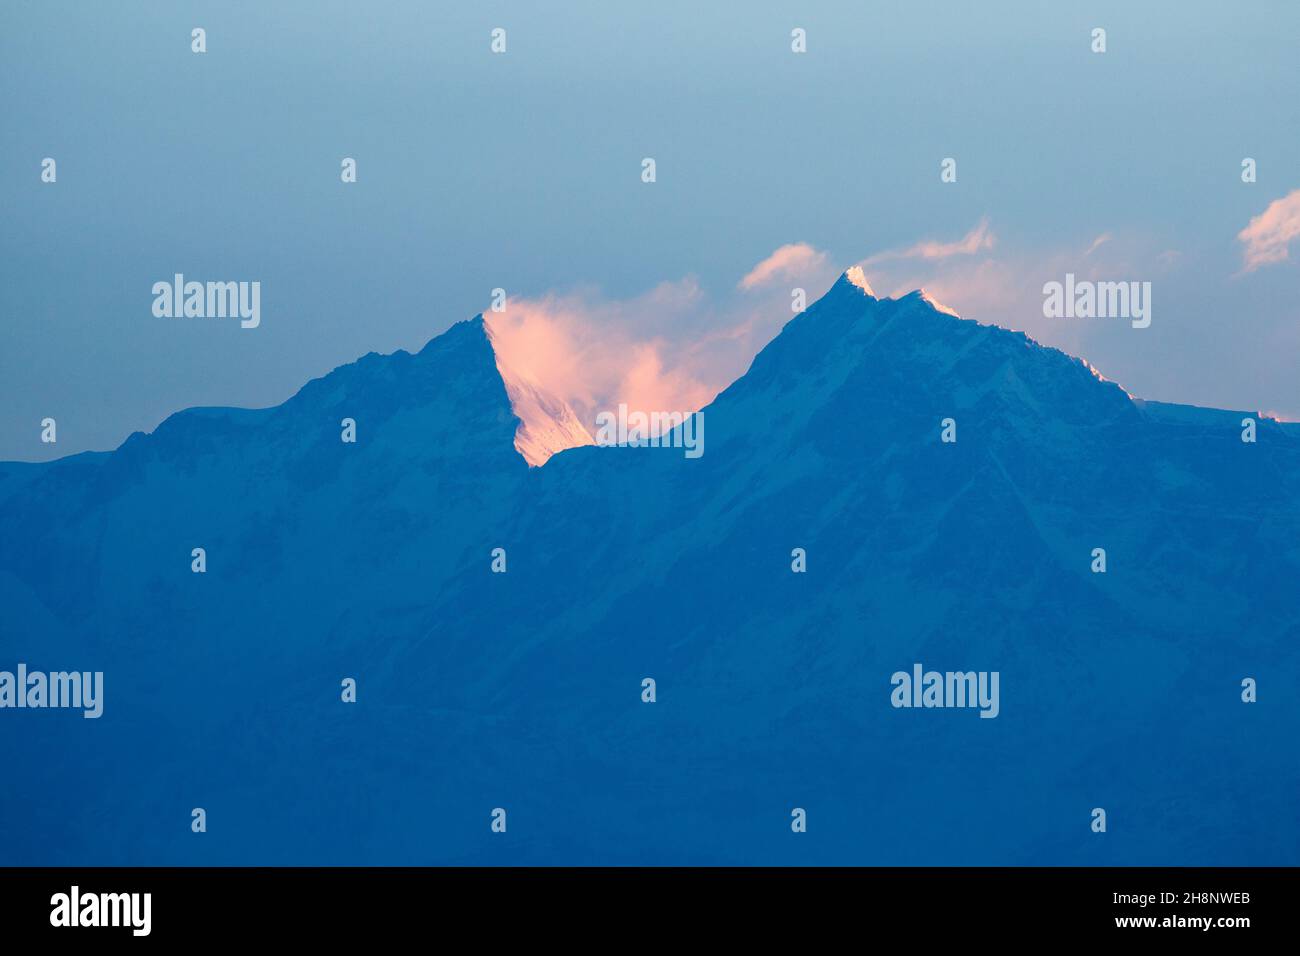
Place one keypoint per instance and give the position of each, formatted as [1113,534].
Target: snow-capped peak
[936,304]
[547,424]
[856,277]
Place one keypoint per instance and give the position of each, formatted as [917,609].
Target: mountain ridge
[500,620]
[550,425]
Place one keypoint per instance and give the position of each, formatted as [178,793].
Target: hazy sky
[523,171]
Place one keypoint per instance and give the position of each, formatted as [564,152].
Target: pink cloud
[792,259]
[675,346]
[672,348]
[595,353]
[979,239]
[1268,235]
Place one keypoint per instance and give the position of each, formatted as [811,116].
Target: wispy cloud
[1268,235]
[594,352]
[791,260]
[1097,243]
[672,348]
[979,239]
[675,346]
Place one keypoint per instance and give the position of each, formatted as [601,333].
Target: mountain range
[475,689]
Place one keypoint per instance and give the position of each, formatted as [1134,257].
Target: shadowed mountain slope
[522,690]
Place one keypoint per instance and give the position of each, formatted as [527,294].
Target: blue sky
[522,171]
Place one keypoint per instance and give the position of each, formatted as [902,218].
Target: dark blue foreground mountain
[478,690]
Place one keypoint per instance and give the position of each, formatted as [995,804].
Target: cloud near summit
[672,348]
[789,261]
[675,346]
[979,239]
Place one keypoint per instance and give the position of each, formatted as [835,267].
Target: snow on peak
[856,277]
[547,424]
[936,304]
